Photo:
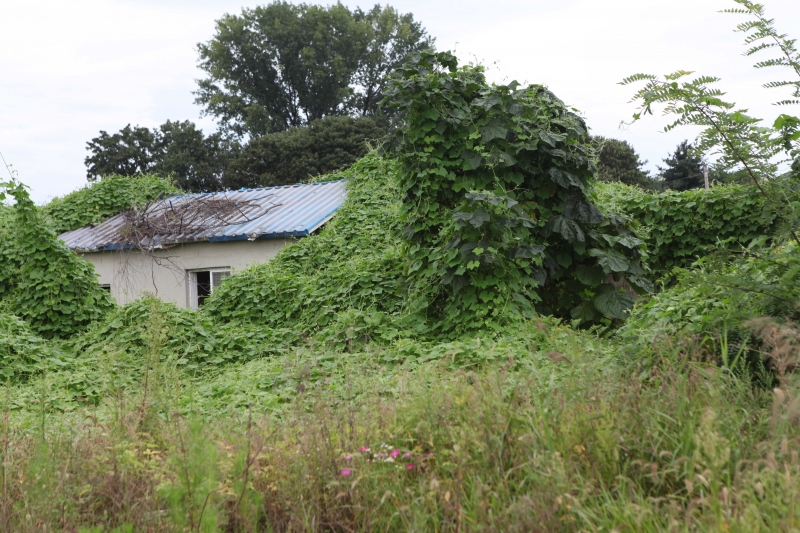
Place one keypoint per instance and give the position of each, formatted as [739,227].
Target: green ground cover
[482,339]
[258,417]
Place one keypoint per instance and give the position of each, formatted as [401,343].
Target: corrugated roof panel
[269,212]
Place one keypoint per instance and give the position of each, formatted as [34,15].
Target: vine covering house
[182,247]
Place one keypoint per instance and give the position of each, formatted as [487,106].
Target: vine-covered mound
[353,267]
[495,182]
[22,352]
[105,198]
[681,227]
[42,281]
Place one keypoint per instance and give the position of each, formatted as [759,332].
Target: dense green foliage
[102,199]
[681,227]
[191,339]
[22,352]
[617,161]
[42,281]
[283,65]
[538,427]
[298,154]
[494,182]
[353,266]
[177,150]
[720,297]
[739,143]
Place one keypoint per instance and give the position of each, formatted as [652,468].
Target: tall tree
[176,149]
[127,152]
[393,37]
[618,161]
[297,154]
[283,65]
[684,170]
[197,163]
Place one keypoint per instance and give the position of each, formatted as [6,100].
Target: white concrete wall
[132,274]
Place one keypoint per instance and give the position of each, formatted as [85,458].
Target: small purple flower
[381,456]
[364,449]
[409,467]
[394,453]
[407,455]
[348,457]
[346,472]
[430,454]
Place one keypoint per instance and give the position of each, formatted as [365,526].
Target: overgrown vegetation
[494,182]
[409,367]
[104,198]
[681,227]
[42,281]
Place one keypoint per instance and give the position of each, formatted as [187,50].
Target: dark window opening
[203,287]
[106,287]
[203,283]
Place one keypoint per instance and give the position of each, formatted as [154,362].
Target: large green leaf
[565,179]
[568,229]
[610,260]
[589,275]
[585,312]
[612,302]
[493,131]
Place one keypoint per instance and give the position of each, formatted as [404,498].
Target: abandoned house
[181,248]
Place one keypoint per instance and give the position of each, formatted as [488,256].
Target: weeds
[526,442]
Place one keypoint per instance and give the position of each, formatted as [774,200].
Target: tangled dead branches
[187,218]
[150,230]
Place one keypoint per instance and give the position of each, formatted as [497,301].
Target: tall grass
[545,433]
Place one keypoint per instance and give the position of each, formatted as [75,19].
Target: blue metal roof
[268,213]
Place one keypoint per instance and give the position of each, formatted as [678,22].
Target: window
[105,287]
[203,282]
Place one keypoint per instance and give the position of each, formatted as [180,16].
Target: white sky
[71,69]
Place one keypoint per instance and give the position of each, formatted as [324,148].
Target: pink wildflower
[407,455]
[394,453]
[409,467]
[348,457]
[346,472]
[364,449]
[381,455]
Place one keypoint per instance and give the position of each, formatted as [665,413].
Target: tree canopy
[284,65]
[618,161]
[297,154]
[684,170]
[177,149]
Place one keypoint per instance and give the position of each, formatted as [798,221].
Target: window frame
[191,276]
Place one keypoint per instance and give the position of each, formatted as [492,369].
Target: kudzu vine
[44,283]
[495,209]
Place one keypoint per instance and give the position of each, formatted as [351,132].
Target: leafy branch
[737,141]
[763,29]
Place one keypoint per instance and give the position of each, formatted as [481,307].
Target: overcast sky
[71,69]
